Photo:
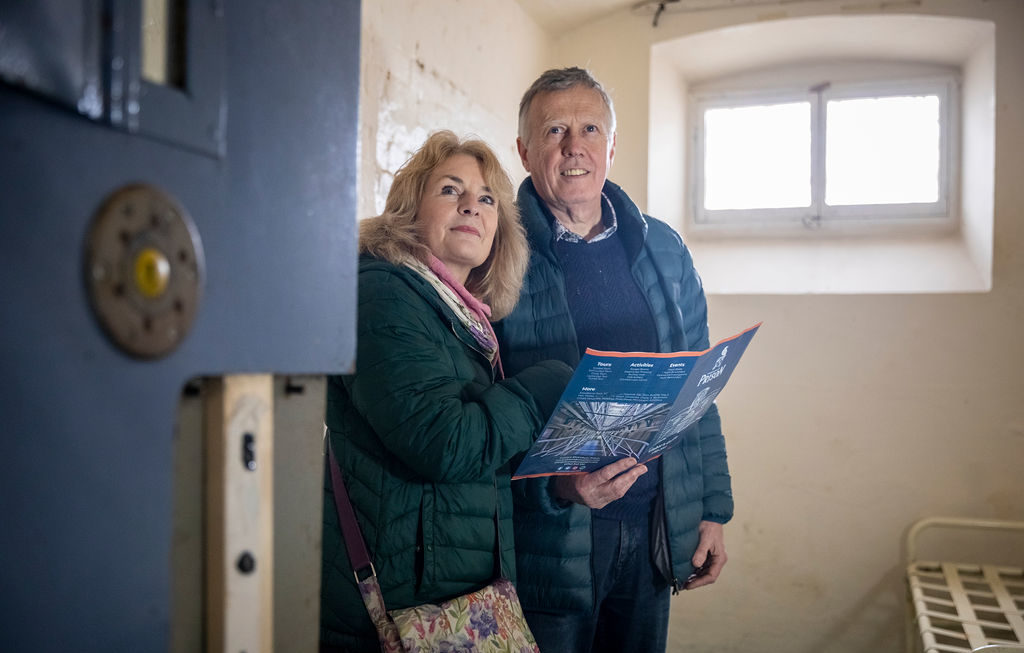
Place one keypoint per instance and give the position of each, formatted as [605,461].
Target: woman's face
[458,215]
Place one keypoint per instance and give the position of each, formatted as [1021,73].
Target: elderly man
[600,554]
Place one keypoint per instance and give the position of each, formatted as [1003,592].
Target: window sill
[841,266]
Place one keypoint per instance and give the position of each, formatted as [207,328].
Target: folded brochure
[634,404]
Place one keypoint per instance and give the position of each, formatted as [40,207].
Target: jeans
[632,601]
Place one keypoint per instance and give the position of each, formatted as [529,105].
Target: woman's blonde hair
[394,235]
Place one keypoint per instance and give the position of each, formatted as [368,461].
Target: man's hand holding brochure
[636,405]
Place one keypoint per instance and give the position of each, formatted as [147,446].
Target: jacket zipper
[475,347]
[670,572]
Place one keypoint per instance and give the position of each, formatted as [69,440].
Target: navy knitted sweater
[611,313]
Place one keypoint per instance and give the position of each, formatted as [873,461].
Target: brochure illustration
[621,404]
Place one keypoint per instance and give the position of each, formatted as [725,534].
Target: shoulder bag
[489,620]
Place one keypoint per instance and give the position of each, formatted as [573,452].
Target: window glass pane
[757,157]
[163,42]
[882,150]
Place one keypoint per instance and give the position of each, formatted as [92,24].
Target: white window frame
[820,216]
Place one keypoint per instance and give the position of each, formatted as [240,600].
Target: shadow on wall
[868,625]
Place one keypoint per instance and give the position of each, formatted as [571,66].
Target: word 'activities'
[635,404]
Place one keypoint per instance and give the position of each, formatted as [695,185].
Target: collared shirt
[611,224]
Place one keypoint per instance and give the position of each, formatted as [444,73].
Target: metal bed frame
[957,607]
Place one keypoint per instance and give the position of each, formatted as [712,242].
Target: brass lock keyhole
[144,268]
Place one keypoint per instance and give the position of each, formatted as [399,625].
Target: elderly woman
[424,430]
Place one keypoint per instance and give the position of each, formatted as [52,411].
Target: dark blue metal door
[254,137]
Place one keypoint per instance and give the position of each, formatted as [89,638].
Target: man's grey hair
[563,79]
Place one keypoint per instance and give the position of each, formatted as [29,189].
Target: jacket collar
[429,295]
[415,281]
[537,219]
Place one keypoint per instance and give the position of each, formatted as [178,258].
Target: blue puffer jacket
[553,539]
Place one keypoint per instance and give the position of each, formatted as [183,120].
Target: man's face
[568,148]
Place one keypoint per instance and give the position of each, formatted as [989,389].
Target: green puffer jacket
[553,538]
[423,435]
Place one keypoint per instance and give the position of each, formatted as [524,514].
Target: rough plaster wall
[440,64]
[851,416]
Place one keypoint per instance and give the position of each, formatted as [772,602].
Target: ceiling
[559,15]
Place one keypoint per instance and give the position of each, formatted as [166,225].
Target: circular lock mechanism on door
[144,269]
